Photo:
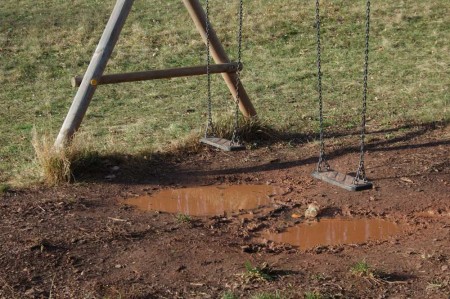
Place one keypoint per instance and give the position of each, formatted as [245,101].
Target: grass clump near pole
[57,166]
[185,145]
[248,129]
[54,164]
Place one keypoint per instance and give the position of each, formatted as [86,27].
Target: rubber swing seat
[223,144]
[341,180]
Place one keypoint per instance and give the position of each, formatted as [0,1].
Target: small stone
[312,211]
[115,168]
[118,266]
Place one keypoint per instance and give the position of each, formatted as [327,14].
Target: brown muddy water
[328,231]
[207,200]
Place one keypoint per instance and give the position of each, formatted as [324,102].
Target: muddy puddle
[208,200]
[336,232]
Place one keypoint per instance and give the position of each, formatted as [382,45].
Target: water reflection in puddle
[335,232]
[206,201]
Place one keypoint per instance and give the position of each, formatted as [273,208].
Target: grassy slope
[43,43]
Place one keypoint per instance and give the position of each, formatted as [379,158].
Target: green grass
[313,295]
[362,269]
[257,273]
[182,218]
[44,43]
[4,188]
[229,295]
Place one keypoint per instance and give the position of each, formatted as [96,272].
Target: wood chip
[117,219]
[407,180]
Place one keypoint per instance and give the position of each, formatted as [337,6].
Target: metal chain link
[235,138]
[209,126]
[322,164]
[361,173]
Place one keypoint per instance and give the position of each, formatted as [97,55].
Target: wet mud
[207,200]
[336,232]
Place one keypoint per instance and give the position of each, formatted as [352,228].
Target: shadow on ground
[165,168]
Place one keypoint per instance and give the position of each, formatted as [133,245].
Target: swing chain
[209,126]
[322,165]
[361,173]
[235,138]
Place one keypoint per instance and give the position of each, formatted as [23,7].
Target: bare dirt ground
[79,241]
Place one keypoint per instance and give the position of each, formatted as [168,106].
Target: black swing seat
[223,144]
[341,180]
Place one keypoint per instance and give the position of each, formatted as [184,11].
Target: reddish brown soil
[78,241]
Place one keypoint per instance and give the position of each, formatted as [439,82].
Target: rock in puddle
[312,211]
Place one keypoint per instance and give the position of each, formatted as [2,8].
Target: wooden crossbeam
[231,67]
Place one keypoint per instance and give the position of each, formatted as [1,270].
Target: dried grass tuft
[57,164]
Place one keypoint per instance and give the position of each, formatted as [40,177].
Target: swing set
[231,74]
[323,170]
[210,138]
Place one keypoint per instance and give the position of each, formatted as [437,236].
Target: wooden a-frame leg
[94,71]
[219,55]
